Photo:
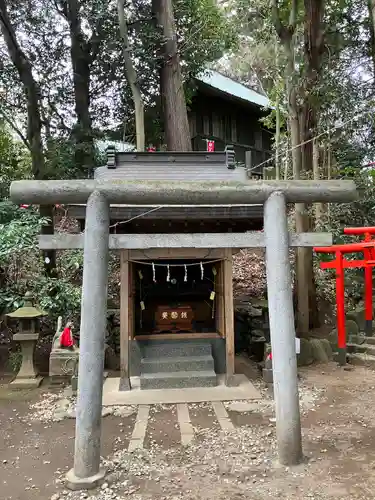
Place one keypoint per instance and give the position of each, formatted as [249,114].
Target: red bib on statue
[66,339]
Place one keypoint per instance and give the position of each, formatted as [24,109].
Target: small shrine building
[176,280]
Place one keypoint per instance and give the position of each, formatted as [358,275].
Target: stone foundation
[62,365]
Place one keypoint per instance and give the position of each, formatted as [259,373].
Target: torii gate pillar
[86,472]
[281,317]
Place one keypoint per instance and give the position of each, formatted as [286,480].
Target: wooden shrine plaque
[174,319]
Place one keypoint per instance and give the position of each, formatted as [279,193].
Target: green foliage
[14,160]
[18,236]
[22,270]
[58,296]
[15,360]
[204,32]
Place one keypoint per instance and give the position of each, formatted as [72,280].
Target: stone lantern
[28,317]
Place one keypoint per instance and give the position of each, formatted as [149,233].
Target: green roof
[231,87]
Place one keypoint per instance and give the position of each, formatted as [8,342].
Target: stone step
[176,349]
[361,348]
[178,380]
[370,340]
[362,359]
[177,364]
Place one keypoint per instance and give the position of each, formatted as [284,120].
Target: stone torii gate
[98,195]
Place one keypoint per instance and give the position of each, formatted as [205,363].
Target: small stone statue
[56,337]
[64,357]
[66,338]
[63,339]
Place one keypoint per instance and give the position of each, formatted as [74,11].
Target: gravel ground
[338,437]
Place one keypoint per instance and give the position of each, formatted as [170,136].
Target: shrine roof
[174,167]
[229,86]
[167,166]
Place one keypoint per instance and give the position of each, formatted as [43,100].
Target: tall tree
[314,48]
[286,33]
[175,119]
[81,60]
[34,122]
[132,79]
[371,12]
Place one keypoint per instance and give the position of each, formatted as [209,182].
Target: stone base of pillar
[124,384]
[26,383]
[267,375]
[341,356]
[232,381]
[75,483]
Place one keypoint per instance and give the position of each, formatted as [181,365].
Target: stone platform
[112,396]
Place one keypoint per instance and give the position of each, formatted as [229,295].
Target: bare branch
[54,110]
[14,127]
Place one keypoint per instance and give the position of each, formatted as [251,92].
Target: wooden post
[229,316]
[131,295]
[220,307]
[124,321]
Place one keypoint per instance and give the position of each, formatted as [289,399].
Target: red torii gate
[340,264]
[368,233]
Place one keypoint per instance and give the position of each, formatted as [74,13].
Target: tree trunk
[277,139]
[131,77]
[319,207]
[301,219]
[277,135]
[286,36]
[176,125]
[371,11]
[81,63]
[313,54]
[34,122]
